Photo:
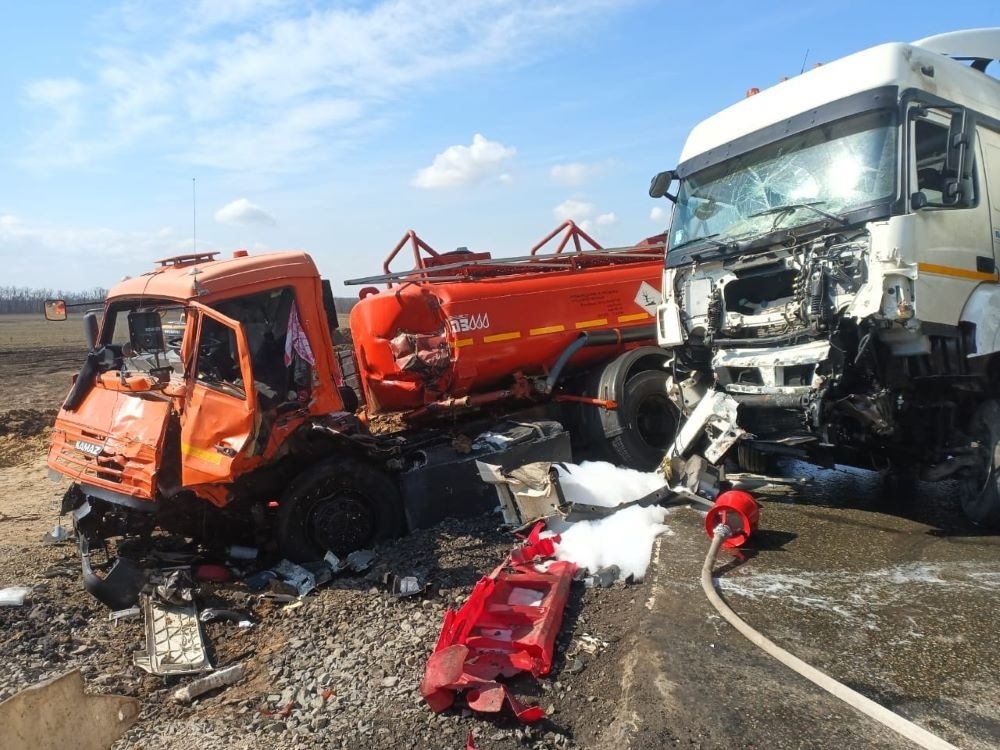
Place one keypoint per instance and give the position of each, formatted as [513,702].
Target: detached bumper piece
[508,625]
[174,644]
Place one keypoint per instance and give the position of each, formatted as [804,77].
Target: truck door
[220,406]
[954,243]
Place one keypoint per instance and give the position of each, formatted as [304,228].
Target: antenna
[194,215]
[804,58]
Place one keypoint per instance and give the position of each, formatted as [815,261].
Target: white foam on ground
[624,539]
[868,598]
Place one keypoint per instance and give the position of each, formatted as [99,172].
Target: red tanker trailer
[463,330]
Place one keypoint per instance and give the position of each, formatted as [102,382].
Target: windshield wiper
[699,249]
[783,212]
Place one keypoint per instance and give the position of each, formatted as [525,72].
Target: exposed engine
[822,352]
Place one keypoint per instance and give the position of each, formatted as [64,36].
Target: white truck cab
[832,264]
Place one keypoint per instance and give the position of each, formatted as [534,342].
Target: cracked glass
[826,172]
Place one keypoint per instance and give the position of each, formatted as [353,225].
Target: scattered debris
[360,560]
[242,618]
[295,576]
[603,578]
[212,572]
[14,596]
[508,625]
[57,535]
[57,714]
[403,586]
[176,587]
[124,614]
[223,677]
[173,639]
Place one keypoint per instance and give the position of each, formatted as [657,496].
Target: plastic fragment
[57,535]
[508,625]
[218,679]
[14,596]
[241,618]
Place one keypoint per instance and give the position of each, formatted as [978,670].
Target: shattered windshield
[115,334]
[819,174]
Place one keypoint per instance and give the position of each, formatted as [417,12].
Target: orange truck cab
[211,405]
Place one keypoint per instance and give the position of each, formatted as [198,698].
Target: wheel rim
[341,522]
[655,422]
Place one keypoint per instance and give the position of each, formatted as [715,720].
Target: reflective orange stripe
[958,273]
[501,337]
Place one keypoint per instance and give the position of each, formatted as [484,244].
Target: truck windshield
[819,174]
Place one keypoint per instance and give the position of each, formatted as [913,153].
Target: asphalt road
[902,604]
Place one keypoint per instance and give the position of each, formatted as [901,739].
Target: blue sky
[335,127]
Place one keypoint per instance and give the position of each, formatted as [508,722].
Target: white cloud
[659,214]
[584,214]
[462,166]
[78,258]
[574,174]
[574,209]
[54,91]
[243,212]
[258,85]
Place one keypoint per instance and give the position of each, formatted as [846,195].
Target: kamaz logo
[90,448]
[467,323]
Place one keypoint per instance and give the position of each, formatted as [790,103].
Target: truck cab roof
[920,65]
[203,276]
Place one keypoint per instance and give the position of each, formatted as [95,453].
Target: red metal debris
[508,625]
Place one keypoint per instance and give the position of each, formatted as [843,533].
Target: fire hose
[881,714]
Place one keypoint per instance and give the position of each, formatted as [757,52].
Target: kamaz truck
[831,287]
[213,402]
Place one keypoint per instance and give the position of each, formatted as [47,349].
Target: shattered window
[833,168]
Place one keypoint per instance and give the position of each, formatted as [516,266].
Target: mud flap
[120,587]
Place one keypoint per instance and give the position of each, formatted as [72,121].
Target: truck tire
[649,421]
[340,505]
[980,495]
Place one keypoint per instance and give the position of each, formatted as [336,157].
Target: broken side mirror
[55,309]
[957,185]
[660,183]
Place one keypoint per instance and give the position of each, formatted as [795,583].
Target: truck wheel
[649,421]
[339,505]
[981,494]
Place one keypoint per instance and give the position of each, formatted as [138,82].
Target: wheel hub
[341,523]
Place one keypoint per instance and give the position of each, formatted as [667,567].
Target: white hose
[880,713]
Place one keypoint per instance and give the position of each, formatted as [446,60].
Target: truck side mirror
[957,186]
[660,183]
[90,329]
[55,309]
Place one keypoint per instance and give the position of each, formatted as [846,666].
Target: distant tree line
[14,299]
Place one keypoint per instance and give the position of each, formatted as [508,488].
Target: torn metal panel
[716,414]
[768,365]
[174,644]
[527,493]
[58,714]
